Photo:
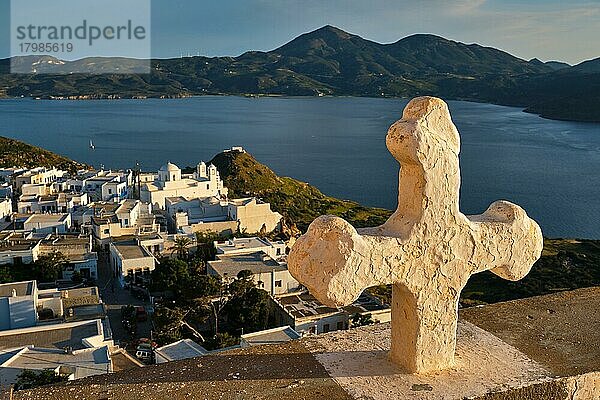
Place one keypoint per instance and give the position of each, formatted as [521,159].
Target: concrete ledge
[506,351]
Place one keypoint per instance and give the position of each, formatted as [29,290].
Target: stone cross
[427,249]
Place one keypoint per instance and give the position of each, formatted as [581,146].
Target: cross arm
[336,263]
[507,241]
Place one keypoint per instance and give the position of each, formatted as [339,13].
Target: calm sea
[551,168]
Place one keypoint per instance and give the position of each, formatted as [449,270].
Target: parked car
[145,353]
[144,350]
[141,314]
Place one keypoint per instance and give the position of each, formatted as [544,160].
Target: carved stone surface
[427,249]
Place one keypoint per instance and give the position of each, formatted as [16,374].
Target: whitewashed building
[204,182]
[18,303]
[129,217]
[179,350]
[264,259]
[78,251]
[39,175]
[48,223]
[74,364]
[130,258]
[53,203]
[5,207]
[212,214]
[15,249]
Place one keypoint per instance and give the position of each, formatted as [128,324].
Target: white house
[130,258]
[205,182]
[48,223]
[52,203]
[105,185]
[18,302]
[180,350]
[75,364]
[6,189]
[249,215]
[254,215]
[17,250]
[268,274]
[270,336]
[306,315]
[40,175]
[129,217]
[77,250]
[275,250]
[114,191]
[5,207]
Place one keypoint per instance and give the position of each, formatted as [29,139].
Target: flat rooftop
[127,206]
[66,240]
[236,244]
[87,362]
[364,304]
[5,235]
[102,178]
[181,350]
[105,219]
[45,218]
[85,312]
[21,288]
[304,305]
[48,197]
[176,199]
[257,262]
[130,249]
[104,206]
[13,244]
[56,336]
[271,336]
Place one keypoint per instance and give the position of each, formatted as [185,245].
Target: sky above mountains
[548,29]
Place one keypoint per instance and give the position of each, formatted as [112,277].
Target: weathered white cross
[427,249]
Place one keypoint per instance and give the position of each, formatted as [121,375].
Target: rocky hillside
[299,202]
[16,153]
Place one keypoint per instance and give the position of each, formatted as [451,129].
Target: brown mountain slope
[14,153]
[299,202]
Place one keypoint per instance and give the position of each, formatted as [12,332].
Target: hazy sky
[566,30]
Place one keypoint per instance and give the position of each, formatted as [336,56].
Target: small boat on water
[92,146]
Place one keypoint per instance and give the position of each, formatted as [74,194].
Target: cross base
[359,361]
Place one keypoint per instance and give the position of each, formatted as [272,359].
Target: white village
[104,233]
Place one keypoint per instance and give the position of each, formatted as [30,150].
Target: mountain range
[330,61]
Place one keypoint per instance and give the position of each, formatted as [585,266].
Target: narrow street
[115,296]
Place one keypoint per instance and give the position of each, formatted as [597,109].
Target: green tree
[248,309]
[198,286]
[170,274]
[184,282]
[205,250]
[181,246]
[362,320]
[6,275]
[207,237]
[49,267]
[243,304]
[76,277]
[168,322]
[29,379]
[220,341]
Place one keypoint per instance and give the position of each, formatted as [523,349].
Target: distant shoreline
[282,96]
